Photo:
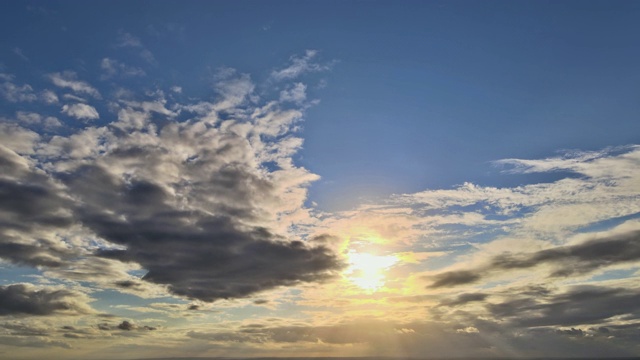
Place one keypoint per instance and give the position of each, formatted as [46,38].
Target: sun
[367,271]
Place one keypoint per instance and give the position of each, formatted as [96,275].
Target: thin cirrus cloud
[15,93]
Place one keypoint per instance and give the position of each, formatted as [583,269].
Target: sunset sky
[319,178]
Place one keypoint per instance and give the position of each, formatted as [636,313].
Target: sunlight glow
[368,271]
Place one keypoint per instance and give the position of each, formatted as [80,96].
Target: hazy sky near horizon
[319,178]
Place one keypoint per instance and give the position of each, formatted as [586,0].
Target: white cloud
[127,40]
[32,118]
[299,65]
[28,117]
[72,97]
[20,53]
[69,79]
[296,93]
[49,97]
[81,111]
[16,93]
[17,138]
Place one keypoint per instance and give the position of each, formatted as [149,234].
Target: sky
[432,179]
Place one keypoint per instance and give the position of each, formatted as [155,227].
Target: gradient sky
[328,178]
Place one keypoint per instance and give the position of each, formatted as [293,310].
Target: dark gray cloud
[579,306]
[30,209]
[463,299]
[567,260]
[199,255]
[20,299]
[125,325]
[453,278]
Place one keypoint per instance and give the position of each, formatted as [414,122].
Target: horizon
[334,179]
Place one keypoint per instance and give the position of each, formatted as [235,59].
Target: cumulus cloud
[190,202]
[25,299]
[32,118]
[69,80]
[81,111]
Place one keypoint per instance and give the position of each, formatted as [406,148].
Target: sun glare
[368,271]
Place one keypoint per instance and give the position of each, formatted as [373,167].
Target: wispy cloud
[16,93]
[300,65]
[69,80]
[111,68]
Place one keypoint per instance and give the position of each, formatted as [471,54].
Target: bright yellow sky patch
[367,271]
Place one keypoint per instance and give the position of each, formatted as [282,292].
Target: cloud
[464,299]
[296,94]
[111,68]
[452,278]
[127,40]
[24,299]
[32,118]
[567,260]
[16,93]
[80,111]
[20,53]
[49,97]
[580,305]
[69,79]
[188,201]
[298,66]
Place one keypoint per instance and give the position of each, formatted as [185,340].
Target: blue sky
[253,177]
[419,93]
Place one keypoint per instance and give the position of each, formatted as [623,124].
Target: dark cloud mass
[578,306]
[31,209]
[453,278]
[20,299]
[190,202]
[567,260]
